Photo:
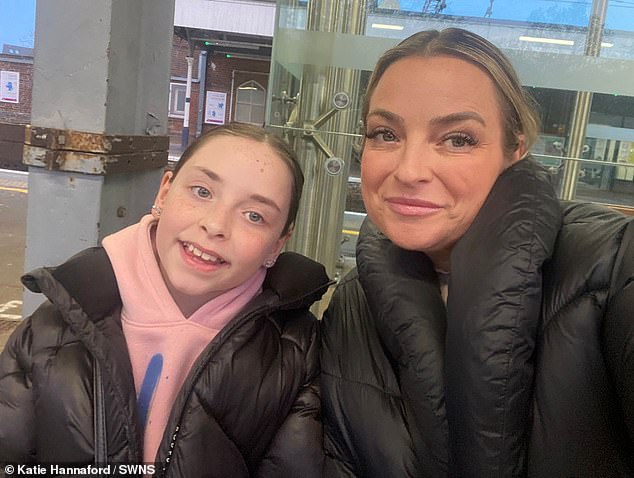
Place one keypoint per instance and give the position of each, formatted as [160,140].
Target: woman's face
[433,151]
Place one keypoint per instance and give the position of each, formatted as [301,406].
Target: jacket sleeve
[17,397]
[619,329]
[296,449]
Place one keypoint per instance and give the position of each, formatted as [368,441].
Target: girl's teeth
[203,255]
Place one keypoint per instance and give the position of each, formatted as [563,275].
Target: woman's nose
[216,223]
[414,164]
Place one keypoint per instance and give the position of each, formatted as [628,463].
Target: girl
[185,342]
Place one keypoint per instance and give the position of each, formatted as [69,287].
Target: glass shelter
[576,57]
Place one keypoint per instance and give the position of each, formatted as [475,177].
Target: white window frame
[254,84]
[173,98]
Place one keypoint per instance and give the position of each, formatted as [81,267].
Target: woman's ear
[521,151]
[166,183]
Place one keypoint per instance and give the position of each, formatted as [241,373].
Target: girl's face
[222,218]
[434,149]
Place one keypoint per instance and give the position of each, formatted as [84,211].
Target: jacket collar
[296,281]
[89,279]
[402,291]
[479,353]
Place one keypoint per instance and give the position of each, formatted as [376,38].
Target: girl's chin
[191,299]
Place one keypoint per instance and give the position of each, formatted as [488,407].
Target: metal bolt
[121,211]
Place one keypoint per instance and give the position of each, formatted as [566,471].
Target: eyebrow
[457,118]
[388,115]
[256,197]
[265,200]
[213,176]
[436,121]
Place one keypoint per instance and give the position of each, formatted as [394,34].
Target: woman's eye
[382,134]
[254,217]
[459,141]
[201,192]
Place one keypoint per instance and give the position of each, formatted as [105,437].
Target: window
[177,100]
[250,103]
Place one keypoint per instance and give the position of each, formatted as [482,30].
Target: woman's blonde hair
[519,115]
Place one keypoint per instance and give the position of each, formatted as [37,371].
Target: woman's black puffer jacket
[528,370]
[249,406]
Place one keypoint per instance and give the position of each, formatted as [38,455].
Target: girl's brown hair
[256,133]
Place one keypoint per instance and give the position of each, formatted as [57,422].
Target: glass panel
[258,97]
[177,99]
[250,103]
[242,96]
[542,11]
[180,100]
[243,113]
[257,114]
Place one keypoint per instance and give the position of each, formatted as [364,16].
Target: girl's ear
[166,183]
[279,245]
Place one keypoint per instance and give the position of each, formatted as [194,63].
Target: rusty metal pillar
[98,141]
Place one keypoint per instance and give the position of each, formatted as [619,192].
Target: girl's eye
[382,134]
[459,141]
[201,192]
[254,217]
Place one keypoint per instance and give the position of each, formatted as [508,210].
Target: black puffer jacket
[528,371]
[249,406]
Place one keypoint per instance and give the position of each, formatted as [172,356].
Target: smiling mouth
[202,255]
[412,207]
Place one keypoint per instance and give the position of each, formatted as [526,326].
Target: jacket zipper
[200,366]
[199,369]
[169,453]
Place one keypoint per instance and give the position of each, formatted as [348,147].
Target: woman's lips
[412,207]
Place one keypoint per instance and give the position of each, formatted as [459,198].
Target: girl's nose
[414,164]
[216,223]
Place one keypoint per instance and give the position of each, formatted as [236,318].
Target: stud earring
[269,263]
[156,211]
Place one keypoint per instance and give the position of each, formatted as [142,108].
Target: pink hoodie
[162,343]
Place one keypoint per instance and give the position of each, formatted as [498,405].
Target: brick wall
[18,113]
[218,79]
[241,69]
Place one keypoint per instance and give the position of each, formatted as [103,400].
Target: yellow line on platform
[17,190]
[351,232]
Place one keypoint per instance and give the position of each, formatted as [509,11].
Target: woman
[488,329]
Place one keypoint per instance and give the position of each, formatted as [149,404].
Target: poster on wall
[216,107]
[9,86]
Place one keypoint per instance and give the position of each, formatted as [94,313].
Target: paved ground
[13,197]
